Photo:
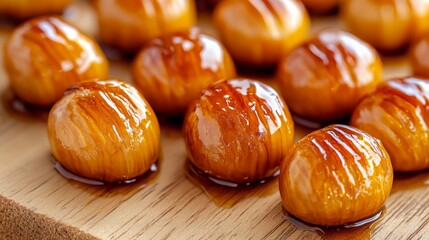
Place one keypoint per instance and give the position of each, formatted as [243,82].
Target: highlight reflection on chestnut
[104,130]
[45,55]
[172,70]
[419,57]
[397,113]
[238,130]
[24,9]
[335,176]
[323,79]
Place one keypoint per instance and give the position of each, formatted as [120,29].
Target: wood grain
[169,205]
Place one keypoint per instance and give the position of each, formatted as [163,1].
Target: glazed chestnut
[320,6]
[387,25]
[335,176]
[127,25]
[323,79]
[172,70]
[24,9]
[419,57]
[45,55]
[397,113]
[238,130]
[104,130]
[259,32]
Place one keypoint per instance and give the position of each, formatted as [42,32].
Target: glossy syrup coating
[46,55]
[24,9]
[238,130]
[335,176]
[127,25]
[388,25]
[104,130]
[172,70]
[397,113]
[419,57]
[320,6]
[324,79]
[259,32]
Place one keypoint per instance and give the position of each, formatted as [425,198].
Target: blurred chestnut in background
[172,70]
[387,25]
[420,57]
[238,130]
[45,55]
[259,32]
[320,6]
[24,9]
[397,113]
[127,25]
[335,176]
[104,130]
[323,79]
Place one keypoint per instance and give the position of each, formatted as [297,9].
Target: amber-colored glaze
[46,55]
[238,130]
[419,57]
[104,130]
[397,113]
[172,70]
[259,32]
[24,9]
[388,25]
[320,6]
[335,176]
[127,25]
[325,78]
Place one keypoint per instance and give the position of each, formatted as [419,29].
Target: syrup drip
[16,107]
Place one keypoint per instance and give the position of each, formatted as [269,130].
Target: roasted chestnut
[419,57]
[172,70]
[335,176]
[45,55]
[127,25]
[320,6]
[104,130]
[238,130]
[24,9]
[387,25]
[397,113]
[259,32]
[323,79]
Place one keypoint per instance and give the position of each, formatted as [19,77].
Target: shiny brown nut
[172,70]
[320,6]
[388,25]
[24,9]
[335,176]
[45,55]
[259,32]
[104,130]
[397,113]
[238,130]
[419,57]
[127,25]
[325,78]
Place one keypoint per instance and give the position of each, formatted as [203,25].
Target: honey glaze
[17,108]
[225,193]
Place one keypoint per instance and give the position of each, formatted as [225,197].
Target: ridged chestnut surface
[335,176]
[46,55]
[127,25]
[172,70]
[320,6]
[323,79]
[238,130]
[419,57]
[397,113]
[259,32]
[388,25]
[104,130]
[24,9]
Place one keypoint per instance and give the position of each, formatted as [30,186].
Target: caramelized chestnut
[238,130]
[24,9]
[172,70]
[320,6]
[127,25]
[387,25]
[104,130]
[259,32]
[419,57]
[335,176]
[45,55]
[323,79]
[397,113]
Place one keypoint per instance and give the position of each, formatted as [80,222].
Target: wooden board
[169,204]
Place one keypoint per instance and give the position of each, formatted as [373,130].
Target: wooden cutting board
[169,203]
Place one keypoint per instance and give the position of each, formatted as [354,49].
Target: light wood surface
[169,204]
